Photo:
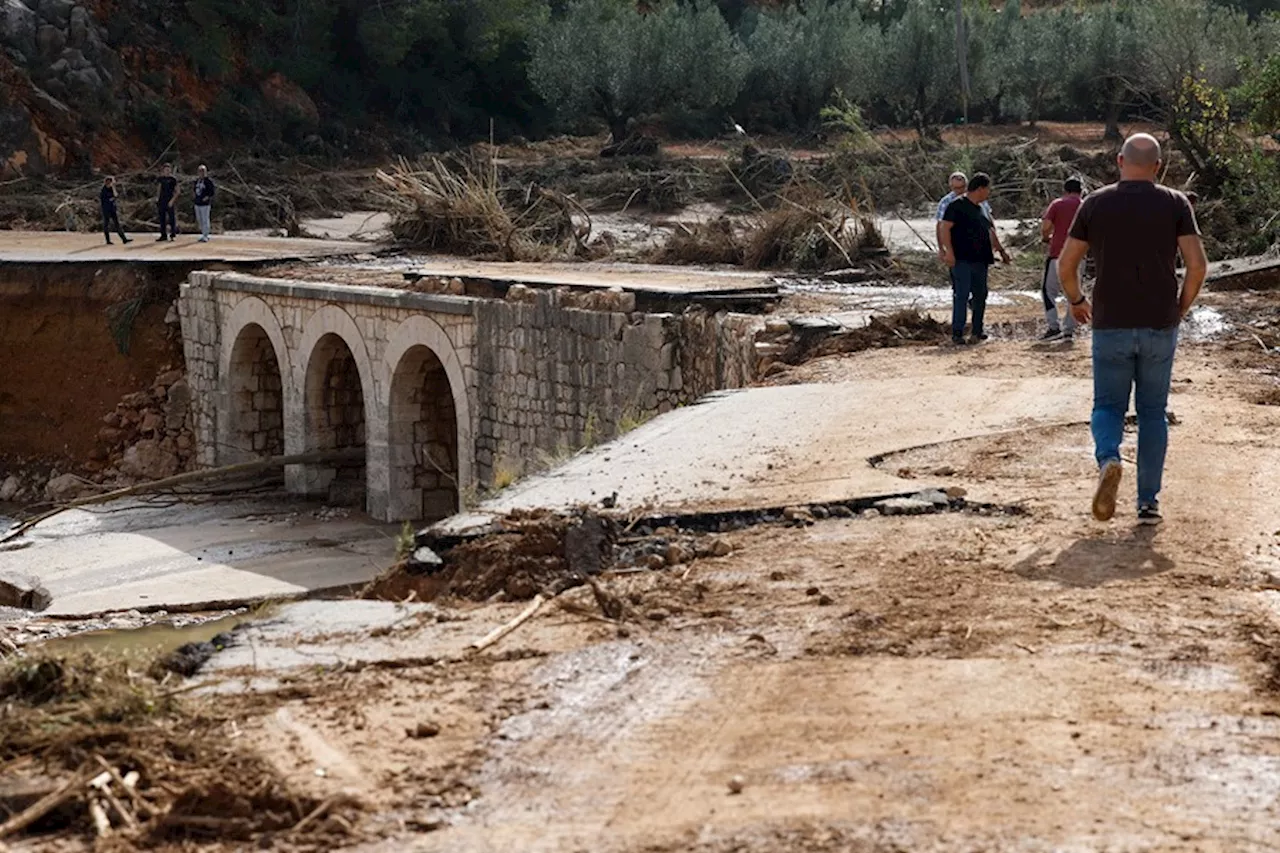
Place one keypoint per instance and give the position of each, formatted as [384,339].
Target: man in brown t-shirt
[1135,230]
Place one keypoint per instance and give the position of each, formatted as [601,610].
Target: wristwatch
[1080,301]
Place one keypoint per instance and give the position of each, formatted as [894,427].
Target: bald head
[1139,158]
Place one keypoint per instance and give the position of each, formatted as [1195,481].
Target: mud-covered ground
[1022,682]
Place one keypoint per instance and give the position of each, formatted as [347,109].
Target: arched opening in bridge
[256,399]
[423,438]
[335,421]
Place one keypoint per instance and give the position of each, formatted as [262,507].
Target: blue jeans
[968,280]
[1141,359]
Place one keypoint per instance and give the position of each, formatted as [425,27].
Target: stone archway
[255,399]
[422,439]
[335,418]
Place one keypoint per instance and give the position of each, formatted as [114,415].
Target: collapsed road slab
[62,247]
[768,447]
[127,556]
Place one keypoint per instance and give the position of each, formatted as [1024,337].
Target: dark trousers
[169,217]
[110,219]
[968,281]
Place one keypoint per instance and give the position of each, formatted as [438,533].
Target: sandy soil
[1025,682]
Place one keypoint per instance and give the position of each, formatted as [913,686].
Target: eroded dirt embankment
[74,339]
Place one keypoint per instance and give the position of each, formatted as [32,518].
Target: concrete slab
[765,447]
[68,247]
[640,278]
[189,556]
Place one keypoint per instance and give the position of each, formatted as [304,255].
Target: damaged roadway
[939,682]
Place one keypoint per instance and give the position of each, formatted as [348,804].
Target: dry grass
[713,242]
[807,231]
[465,211]
[68,719]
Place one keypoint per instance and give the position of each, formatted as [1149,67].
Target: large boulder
[289,99]
[147,460]
[18,25]
[64,488]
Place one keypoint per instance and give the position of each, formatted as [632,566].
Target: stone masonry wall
[531,376]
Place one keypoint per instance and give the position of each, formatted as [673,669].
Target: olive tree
[919,75]
[608,59]
[802,55]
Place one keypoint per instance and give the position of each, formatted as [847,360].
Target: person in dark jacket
[110,217]
[166,204]
[204,190]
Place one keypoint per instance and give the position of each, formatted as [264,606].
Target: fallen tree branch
[503,630]
[346,454]
[46,804]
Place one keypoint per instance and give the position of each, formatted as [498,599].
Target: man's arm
[995,244]
[1197,265]
[937,232]
[944,242]
[1069,276]
[1046,230]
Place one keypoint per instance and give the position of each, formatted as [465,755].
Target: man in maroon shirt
[1054,226]
[1135,230]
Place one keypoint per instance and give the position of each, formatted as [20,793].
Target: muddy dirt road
[1023,681]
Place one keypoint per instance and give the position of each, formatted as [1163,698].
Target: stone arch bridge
[443,392]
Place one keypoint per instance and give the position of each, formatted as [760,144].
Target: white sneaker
[1104,497]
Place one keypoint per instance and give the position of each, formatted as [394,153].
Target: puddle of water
[148,641]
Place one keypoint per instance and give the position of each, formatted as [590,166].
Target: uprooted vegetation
[94,746]
[464,210]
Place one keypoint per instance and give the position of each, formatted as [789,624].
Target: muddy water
[148,641]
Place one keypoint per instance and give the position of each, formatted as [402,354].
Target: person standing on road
[110,216]
[1054,228]
[203,191]
[1135,230]
[959,184]
[166,204]
[966,236]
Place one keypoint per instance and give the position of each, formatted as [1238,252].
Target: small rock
[9,488]
[825,600]
[904,506]
[813,590]
[64,488]
[658,614]
[654,561]
[944,471]
[676,554]
[423,730]
[936,497]
[956,492]
[797,515]
[819,512]
[423,557]
[720,548]
[777,575]
[736,784]
[871,513]
[841,511]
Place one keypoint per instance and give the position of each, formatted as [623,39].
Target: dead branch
[46,804]
[503,630]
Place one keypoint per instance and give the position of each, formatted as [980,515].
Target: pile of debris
[538,552]
[149,435]
[91,747]
[796,341]
[464,210]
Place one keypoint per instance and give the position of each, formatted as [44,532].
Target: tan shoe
[1104,497]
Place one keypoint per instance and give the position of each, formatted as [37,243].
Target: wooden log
[68,790]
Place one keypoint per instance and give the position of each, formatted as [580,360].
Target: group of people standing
[1136,232]
[203,190]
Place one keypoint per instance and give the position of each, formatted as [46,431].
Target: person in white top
[959,183]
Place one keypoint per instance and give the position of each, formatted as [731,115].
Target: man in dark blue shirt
[166,204]
[110,217]
[966,249]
